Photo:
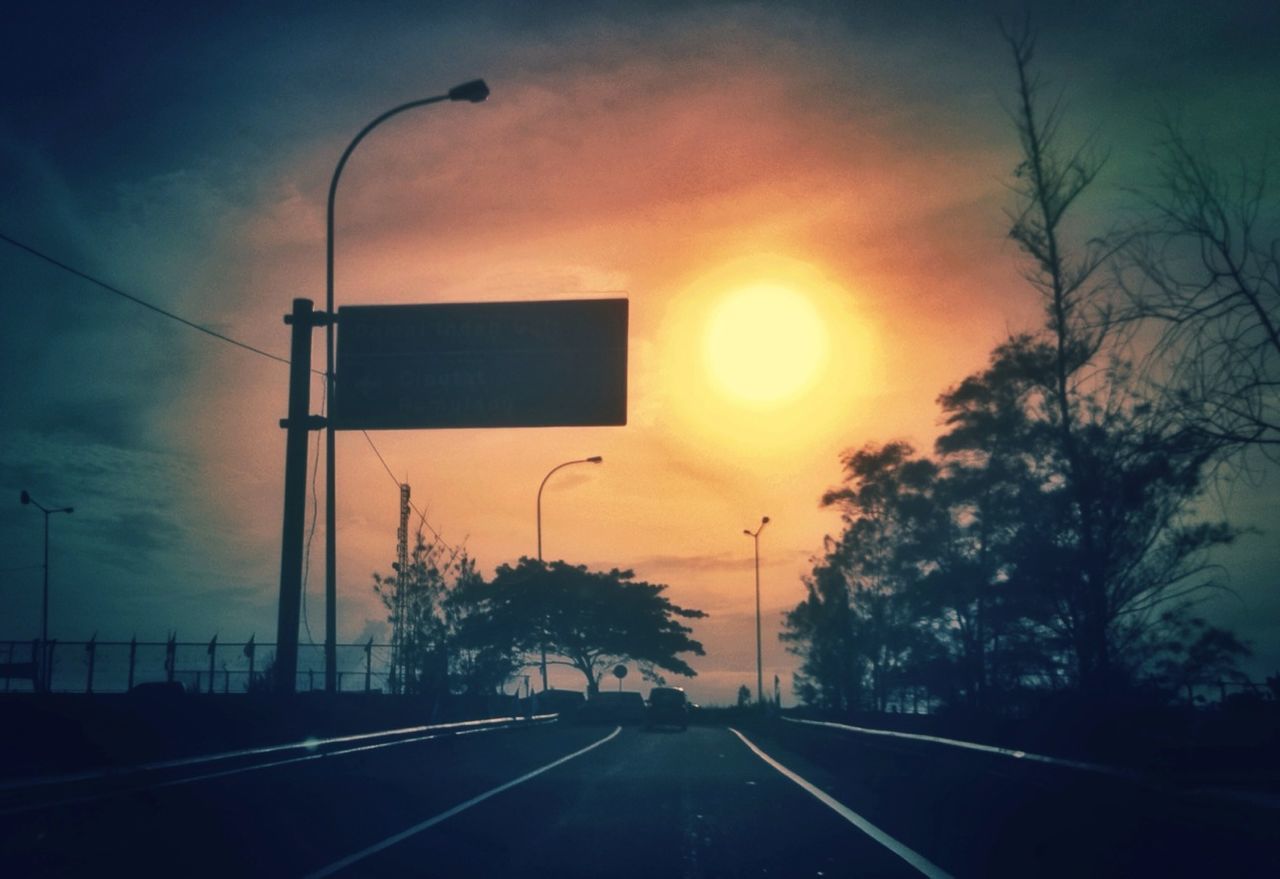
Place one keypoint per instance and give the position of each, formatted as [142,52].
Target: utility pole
[297,426]
[755,535]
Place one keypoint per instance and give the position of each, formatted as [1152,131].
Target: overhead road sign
[556,363]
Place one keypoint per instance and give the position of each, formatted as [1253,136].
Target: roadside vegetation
[1051,545]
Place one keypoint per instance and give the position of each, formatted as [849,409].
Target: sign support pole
[297,426]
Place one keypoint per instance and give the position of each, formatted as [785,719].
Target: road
[602,801]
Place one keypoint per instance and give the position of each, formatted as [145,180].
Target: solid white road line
[308,744]
[449,813]
[444,732]
[974,746]
[912,857]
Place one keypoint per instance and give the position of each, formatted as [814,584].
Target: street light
[26,499]
[594,459]
[473,92]
[755,535]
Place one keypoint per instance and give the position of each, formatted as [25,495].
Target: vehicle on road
[623,706]
[668,706]
[566,703]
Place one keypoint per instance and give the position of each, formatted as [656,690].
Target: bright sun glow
[765,344]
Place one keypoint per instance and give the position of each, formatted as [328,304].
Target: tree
[589,620]
[1051,542]
[1121,470]
[744,696]
[857,628]
[1205,269]
[421,617]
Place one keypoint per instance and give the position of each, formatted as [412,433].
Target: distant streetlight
[27,499]
[594,459]
[473,92]
[755,535]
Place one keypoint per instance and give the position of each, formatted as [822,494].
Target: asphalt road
[597,801]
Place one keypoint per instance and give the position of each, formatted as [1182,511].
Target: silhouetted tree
[589,620]
[1050,543]
[1206,270]
[744,696]
[419,596]
[1116,546]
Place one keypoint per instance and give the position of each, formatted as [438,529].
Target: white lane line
[342,864]
[308,744]
[253,767]
[974,746]
[912,857]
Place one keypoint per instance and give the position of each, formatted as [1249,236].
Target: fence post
[8,679]
[226,681]
[92,649]
[171,657]
[311,679]
[368,664]
[213,650]
[37,663]
[133,658]
[48,674]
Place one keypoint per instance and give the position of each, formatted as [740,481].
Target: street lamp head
[748,533]
[474,91]
[764,521]
[595,459]
[69,510]
[25,497]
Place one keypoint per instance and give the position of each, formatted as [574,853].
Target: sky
[674,154]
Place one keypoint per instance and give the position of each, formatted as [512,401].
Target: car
[668,706]
[566,703]
[622,706]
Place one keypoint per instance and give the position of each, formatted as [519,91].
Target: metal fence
[213,666]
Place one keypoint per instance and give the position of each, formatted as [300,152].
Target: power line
[134,299]
[220,336]
[315,515]
[422,517]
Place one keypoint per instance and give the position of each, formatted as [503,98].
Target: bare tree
[1206,270]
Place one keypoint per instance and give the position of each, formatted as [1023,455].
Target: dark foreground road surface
[598,801]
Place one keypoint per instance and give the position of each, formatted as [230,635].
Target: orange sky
[670,159]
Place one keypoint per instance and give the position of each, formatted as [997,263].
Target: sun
[765,344]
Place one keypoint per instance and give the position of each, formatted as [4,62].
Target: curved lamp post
[27,499]
[473,92]
[755,535]
[594,459]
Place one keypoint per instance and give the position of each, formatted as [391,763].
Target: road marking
[395,838]
[308,744]
[974,746]
[912,857]
[444,731]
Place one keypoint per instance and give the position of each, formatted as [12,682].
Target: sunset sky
[844,169]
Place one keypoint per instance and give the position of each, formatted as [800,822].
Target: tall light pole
[26,498]
[473,92]
[594,459]
[755,536]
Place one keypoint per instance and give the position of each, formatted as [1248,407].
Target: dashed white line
[912,857]
[395,838]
